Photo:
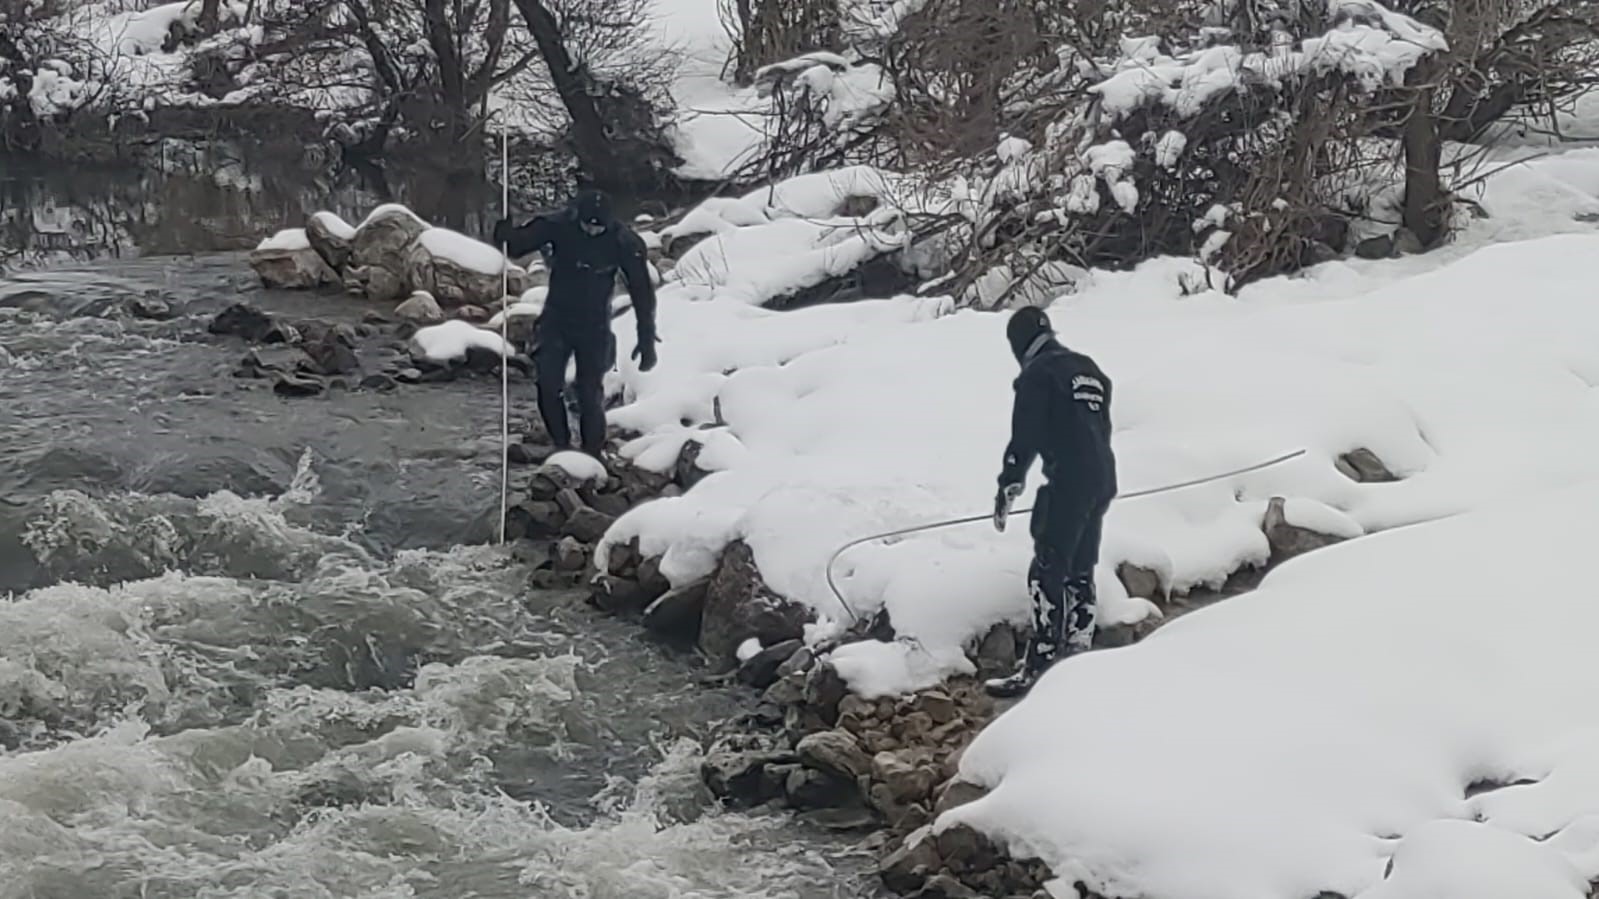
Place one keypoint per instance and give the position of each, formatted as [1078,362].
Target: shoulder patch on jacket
[1089,390]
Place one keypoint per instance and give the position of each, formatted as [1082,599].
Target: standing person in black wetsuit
[1062,414]
[586,248]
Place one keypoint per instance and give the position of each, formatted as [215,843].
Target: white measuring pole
[505,332]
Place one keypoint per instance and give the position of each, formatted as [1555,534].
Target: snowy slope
[1469,372]
[1294,740]
[717,128]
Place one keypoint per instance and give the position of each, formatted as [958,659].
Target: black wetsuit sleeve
[1028,423]
[636,269]
[519,242]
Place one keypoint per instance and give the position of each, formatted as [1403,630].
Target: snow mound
[827,424]
[780,258]
[818,195]
[1467,860]
[1314,516]
[718,126]
[874,669]
[1329,723]
[290,239]
[450,341]
[581,466]
[389,209]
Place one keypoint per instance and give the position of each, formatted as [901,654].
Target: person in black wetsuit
[586,248]
[1062,414]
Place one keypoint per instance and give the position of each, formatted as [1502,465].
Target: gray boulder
[676,614]
[739,605]
[375,283]
[331,237]
[286,261]
[421,308]
[459,271]
[1288,540]
[835,751]
[384,242]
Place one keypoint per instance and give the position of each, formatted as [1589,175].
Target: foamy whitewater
[255,648]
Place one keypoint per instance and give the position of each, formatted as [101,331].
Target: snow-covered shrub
[1257,136]
[1203,143]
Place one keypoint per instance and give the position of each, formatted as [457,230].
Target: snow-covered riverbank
[1421,699]
[1468,373]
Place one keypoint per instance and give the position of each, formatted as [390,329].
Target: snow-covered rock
[286,261]
[394,254]
[460,271]
[332,237]
[1298,526]
[456,341]
[850,192]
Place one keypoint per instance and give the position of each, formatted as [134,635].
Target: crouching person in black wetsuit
[586,248]
[1062,414]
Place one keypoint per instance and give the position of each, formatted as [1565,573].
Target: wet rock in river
[760,670]
[741,606]
[333,353]
[676,614]
[149,307]
[242,320]
[295,384]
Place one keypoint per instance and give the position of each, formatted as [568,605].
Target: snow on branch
[1367,42]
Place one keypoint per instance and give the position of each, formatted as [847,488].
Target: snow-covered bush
[1257,136]
[1202,144]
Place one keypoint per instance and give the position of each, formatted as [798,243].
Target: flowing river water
[262,647]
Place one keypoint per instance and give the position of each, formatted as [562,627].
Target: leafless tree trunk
[593,144]
[479,82]
[210,16]
[452,80]
[1426,203]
